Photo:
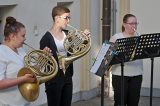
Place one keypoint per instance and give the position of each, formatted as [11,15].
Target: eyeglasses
[132,23]
[66,17]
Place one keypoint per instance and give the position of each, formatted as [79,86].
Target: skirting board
[85,95]
[146,92]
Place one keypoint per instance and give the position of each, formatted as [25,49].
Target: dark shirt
[48,40]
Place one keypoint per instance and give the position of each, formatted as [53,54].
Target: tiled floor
[144,101]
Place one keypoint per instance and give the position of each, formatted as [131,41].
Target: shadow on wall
[5,10]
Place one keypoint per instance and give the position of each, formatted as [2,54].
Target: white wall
[148,17]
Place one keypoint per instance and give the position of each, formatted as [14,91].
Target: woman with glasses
[59,89]
[132,70]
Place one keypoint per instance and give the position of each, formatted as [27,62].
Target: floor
[108,101]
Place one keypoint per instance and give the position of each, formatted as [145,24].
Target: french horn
[43,66]
[77,44]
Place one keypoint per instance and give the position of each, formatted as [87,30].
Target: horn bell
[43,66]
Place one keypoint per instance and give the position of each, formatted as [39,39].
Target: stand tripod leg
[151,84]
[122,84]
[102,91]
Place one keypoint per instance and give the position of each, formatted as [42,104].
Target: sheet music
[100,57]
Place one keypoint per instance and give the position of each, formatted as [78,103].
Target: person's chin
[64,27]
[21,45]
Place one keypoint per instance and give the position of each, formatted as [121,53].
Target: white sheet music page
[100,57]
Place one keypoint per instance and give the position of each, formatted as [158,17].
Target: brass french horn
[43,66]
[77,44]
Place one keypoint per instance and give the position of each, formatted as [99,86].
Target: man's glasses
[65,17]
[133,23]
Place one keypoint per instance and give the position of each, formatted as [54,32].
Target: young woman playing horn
[11,61]
[59,89]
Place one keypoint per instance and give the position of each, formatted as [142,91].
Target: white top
[132,68]
[10,63]
[60,46]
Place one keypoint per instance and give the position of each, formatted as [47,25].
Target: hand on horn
[47,49]
[87,32]
[27,78]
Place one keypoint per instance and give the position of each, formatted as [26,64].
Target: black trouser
[132,87]
[59,94]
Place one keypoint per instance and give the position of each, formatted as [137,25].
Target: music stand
[102,63]
[148,47]
[125,49]
[103,59]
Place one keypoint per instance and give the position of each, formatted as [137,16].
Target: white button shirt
[10,64]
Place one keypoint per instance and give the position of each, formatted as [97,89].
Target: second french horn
[77,44]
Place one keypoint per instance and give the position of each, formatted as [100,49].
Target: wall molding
[146,92]
[85,95]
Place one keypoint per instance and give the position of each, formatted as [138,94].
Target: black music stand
[148,47]
[105,64]
[102,63]
[125,49]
